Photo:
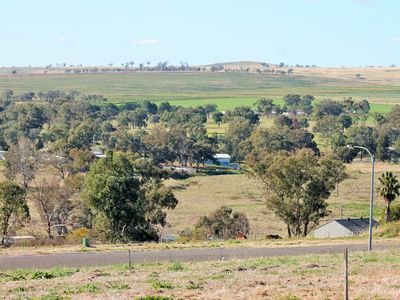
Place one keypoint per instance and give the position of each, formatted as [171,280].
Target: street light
[371,204]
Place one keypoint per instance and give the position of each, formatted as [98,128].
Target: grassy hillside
[201,195]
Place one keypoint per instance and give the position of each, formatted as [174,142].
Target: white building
[343,228]
[2,154]
[223,159]
[98,153]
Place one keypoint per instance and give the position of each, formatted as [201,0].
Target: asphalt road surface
[9,262]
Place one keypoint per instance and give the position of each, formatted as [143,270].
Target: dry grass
[372,276]
[200,195]
[179,245]
[385,75]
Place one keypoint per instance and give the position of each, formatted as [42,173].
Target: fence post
[130,263]
[346,274]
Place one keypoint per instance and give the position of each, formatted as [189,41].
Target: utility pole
[371,203]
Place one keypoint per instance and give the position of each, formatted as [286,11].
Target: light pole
[371,203]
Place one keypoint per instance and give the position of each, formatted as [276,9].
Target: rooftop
[222,155]
[355,224]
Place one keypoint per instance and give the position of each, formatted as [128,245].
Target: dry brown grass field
[200,195]
[371,276]
[379,75]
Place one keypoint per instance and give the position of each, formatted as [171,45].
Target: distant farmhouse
[2,153]
[343,228]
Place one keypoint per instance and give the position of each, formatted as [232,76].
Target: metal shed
[343,227]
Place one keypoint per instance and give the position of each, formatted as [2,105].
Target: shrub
[116,285]
[78,234]
[14,276]
[196,234]
[389,230]
[42,275]
[90,288]
[224,223]
[194,286]
[52,273]
[176,266]
[162,285]
[395,212]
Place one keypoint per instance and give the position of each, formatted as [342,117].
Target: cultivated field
[371,276]
[227,90]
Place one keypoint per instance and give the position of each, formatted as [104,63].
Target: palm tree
[389,189]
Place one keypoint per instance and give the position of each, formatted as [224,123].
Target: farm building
[343,227]
[98,153]
[223,159]
[2,154]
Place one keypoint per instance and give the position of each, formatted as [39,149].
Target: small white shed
[343,227]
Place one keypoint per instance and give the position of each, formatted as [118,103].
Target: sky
[98,32]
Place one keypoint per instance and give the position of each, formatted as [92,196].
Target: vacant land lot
[227,90]
[372,276]
[202,194]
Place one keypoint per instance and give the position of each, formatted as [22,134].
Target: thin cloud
[61,39]
[395,39]
[148,42]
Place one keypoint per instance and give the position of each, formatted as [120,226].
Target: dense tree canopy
[13,207]
[296,187]
[127,197]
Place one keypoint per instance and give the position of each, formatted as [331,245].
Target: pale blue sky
[93,32]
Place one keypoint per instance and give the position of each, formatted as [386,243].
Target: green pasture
[227,90]
[230,103]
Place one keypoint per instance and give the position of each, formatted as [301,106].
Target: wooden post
[130,263]
[346,274]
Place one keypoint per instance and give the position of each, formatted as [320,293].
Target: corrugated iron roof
[356,224]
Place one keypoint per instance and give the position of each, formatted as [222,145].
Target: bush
[162,285]
[196,234]
[395,214]
[224,223]
[176,266]
[395,210]
[53,273]
[78,234]
[389,230]
[118,285]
